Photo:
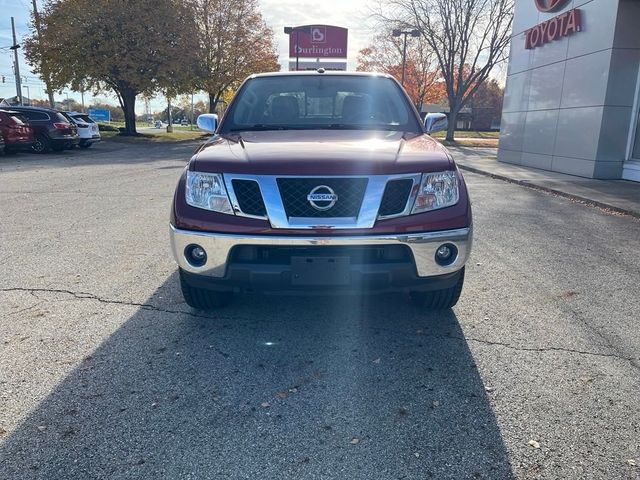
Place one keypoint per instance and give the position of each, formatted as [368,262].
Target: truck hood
[321,152]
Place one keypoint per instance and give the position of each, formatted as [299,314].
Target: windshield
[82,118]
[320,102]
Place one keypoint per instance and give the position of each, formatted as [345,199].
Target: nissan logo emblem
[322,198]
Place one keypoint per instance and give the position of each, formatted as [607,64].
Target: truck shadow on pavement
[269,388]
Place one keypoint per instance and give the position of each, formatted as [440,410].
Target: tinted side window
[33,115]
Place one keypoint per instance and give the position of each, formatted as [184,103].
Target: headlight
[207,190]
[437,190]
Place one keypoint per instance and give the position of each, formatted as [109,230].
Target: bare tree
[468,37]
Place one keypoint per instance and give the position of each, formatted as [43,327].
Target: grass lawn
[471,142]
[468,134]
[160,136]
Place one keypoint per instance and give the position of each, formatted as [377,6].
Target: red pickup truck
[321,182]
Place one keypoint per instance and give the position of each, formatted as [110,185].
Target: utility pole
[45,75]
[16,65]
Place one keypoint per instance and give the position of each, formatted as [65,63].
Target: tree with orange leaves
[422,79]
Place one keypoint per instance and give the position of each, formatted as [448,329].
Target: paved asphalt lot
[106,373]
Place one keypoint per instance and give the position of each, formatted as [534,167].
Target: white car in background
[87,129]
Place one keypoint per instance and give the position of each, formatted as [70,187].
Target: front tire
[439,299]
[202,299]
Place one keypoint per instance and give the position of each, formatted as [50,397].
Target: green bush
[105,127]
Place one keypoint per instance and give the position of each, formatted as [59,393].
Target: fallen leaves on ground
[632,462]
[377,360]
[355,440]
[265,404]
[534,444]
[568,294]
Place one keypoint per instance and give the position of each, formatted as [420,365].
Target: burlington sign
[318,41]
[553,29]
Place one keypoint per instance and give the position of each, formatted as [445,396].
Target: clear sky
[351,14]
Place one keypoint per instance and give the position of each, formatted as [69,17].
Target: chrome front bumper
[422,245]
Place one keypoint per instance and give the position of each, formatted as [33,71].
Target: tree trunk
[52,102]
[128,96]
[213,102]
[453,120]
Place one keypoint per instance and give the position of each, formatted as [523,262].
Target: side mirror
[208,122]
[436,122]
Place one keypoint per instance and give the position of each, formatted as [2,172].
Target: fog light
[446,254]
[195,255]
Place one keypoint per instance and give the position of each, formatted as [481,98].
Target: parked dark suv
[15,132]
[52,129]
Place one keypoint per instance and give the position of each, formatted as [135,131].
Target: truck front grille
[396,195]
[349,192]
[249,197]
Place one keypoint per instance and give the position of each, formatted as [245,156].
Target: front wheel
[439,299]
[202,299]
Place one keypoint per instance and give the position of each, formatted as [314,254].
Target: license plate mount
[320,271]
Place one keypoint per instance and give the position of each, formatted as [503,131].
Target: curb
[560,193]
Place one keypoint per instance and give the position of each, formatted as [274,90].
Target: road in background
[106,373]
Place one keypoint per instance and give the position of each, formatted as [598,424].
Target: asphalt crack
[631,360]
[91,296]
[147,306]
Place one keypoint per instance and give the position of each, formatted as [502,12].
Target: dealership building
[573,86]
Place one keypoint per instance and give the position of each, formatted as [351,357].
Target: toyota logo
[322,198]
[550,5]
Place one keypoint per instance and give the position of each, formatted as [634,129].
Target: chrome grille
[294,192]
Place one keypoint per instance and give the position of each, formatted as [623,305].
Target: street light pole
[397,33]
[297,30]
